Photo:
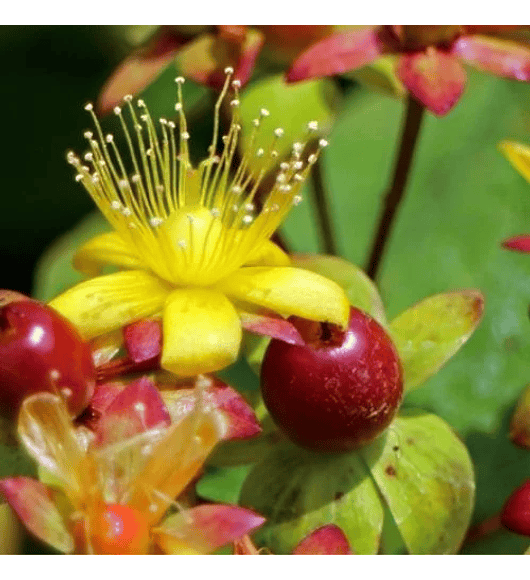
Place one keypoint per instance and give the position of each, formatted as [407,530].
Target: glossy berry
[41,351]
[118,529]
[340,390]
[516,512]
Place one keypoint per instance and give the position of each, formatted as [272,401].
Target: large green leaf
[425,474]
[431,332]
[298,491]
[221,484]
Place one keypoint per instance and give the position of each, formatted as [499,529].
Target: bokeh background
[463,200]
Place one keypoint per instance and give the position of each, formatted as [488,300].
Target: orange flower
[108,492]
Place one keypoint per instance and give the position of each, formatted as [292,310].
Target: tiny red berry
[41,351]
[340,390]
[516,512]
[118,529]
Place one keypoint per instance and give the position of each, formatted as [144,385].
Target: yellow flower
[194,248]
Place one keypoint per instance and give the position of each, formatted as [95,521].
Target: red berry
[118,529]
[41,351]
[340,390]
[516,512]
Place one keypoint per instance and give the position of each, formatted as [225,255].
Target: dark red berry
[41,351]
[340,390]
[516,512]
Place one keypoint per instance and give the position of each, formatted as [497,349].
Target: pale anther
[178,106]
[247,219]
[234,103]
[297,199]
[117,110]
[180,80]
[156,221]
[115,205]
[215,212]
[229,70]
[88,156]
[89,107]
[126,211]
[185,135]
[278,132]
[312,159]
[312,125]
[323,143]
[109,138]
[88,134]
[236,83]
[140,103]
[264,113]
[78,177]
[127,98]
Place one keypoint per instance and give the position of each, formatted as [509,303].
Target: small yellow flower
[193,247]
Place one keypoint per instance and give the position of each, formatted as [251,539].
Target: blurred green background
[463,200]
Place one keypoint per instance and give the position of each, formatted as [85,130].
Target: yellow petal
[46,430]
[109,248]
[518,155]
[290,291]
[202,332]
[174,461]
[268,254]
[108,302]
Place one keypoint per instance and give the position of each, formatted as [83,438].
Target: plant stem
[321,198]
[409,139]
[484,528]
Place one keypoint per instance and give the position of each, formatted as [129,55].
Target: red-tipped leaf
[32,502]
[134,410]
[327,540]
[501,57]
[204,60]
[140,68]
[518,243]
[241,422]
[273,326]
[205,528]
[338,53]
[435,78]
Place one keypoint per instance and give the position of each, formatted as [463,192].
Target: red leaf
[518,243]
[327,540]
[270,325]
[134,410]
[32,502]
[206,527]
[241,420]
[140,68]
[434,78]
[338,53]
[501,57]
[143,340]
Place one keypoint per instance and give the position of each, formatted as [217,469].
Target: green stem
[321,198]
[409,139]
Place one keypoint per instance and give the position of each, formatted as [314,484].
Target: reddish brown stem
[484,528]
[409,139]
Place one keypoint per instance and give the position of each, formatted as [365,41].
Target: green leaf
[298,491]
[55,272]
[291,107]
[381,76]
[428,334]
[222,484]
[425,475]
[360,290]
